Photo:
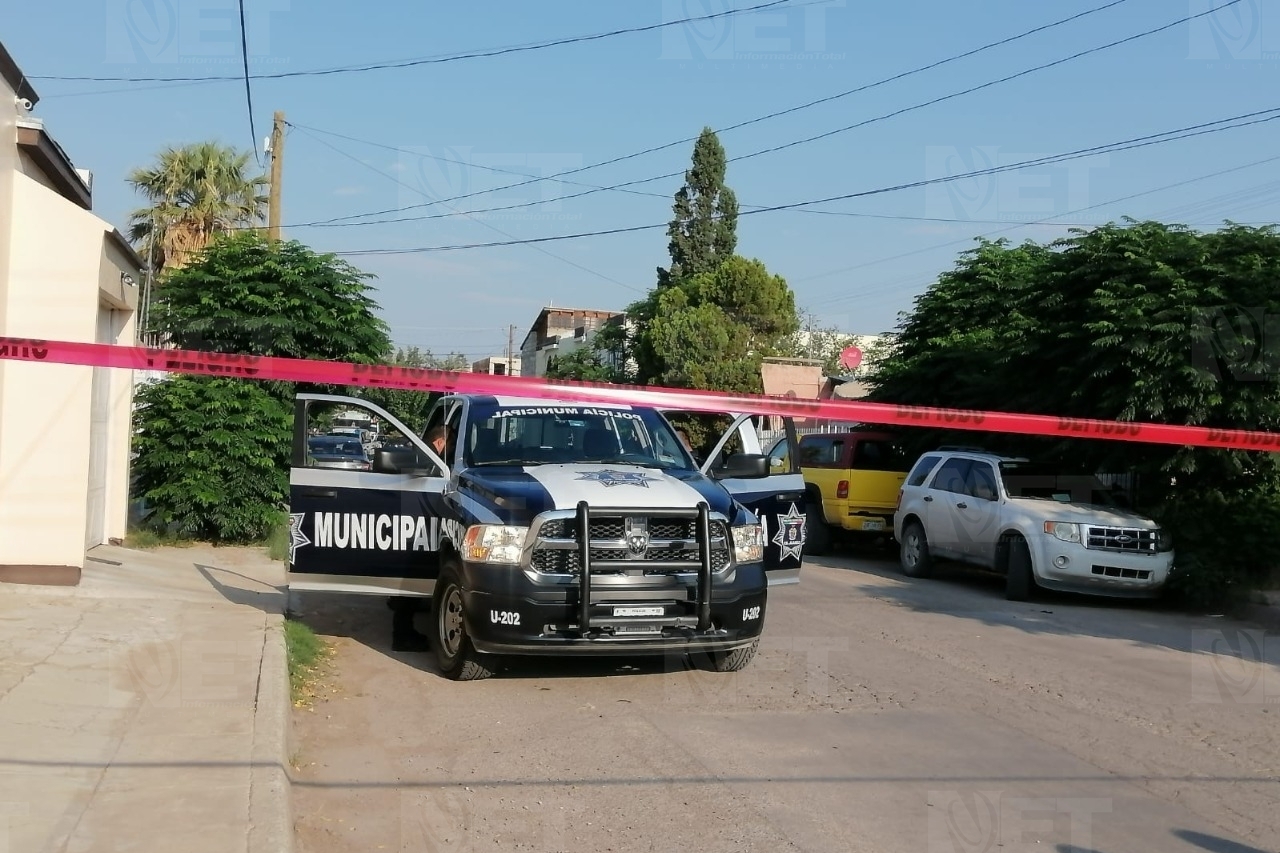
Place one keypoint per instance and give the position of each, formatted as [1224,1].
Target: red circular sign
[850,358]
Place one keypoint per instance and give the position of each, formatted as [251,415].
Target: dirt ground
[882,714]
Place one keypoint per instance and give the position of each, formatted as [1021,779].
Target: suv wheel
[1019,581]
[916,560]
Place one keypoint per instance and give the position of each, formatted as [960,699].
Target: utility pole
[511,342]
[277,166]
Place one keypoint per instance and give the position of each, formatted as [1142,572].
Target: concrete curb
[270,794]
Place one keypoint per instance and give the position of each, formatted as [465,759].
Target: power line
[756,120]
[309,131]
[248,89]
[1046,220]
[438,59]
[1124,145]
[488,225]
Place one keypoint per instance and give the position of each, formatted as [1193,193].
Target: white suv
[1028,522]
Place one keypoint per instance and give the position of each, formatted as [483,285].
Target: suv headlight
[494,543]
[1065,530]
[748,543]
[1164,540]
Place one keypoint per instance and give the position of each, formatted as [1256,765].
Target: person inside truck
[405,637]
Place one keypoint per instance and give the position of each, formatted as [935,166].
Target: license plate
[637,629]
[873,524]
[639,611]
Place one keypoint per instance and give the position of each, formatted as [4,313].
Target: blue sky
[543,112]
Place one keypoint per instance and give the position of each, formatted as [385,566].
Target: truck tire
[1019,580]
[457,658]
[914,554]
[817,535]
[736,660]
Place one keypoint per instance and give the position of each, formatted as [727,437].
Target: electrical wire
[453,57]
[1124,145]
[741,124]
[310,131]
[488,225]
[248,88]
[860,295]
[786,145]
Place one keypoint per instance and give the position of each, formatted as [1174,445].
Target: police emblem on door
[791,534]
[637,536]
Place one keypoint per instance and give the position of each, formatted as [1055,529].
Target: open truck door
[360,521]
[778,500]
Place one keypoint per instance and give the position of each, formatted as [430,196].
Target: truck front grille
[673,546]
[1130,540]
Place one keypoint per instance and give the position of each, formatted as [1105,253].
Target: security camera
[23,104]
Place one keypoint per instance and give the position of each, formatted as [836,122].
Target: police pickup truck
[552,528]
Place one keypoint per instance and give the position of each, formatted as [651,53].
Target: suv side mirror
[742,466]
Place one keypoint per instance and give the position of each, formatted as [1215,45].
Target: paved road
[882,714]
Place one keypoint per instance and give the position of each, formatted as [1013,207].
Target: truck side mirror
[742,466]
[400,460]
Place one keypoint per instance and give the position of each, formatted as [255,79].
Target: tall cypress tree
[704,229]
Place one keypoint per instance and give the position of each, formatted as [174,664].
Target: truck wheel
[456,657]
[1019,581]
[914,555]
[817,536]
[735,660]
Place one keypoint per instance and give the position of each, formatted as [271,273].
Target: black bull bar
[701,515]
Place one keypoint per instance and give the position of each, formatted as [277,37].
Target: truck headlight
[1164,540]
[1065,530]
[748,543]
[494,543]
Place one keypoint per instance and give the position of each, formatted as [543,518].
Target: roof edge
[13,75]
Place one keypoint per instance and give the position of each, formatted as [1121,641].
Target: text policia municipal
[382,532]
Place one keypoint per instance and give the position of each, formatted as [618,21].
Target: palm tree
[195,192]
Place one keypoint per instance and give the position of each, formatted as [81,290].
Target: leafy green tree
[713,331]
[702,235]
[212,457]
[703,231]
[247,294]
[194,193]
[584,364]
[1121,322]
[713,316]
[213,454]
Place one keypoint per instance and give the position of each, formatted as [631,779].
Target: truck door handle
[928,498]
[962,505]
[318,493]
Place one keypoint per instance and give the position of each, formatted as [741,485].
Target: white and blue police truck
[553,528]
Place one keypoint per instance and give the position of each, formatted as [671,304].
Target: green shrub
[212,458]
[1225,545]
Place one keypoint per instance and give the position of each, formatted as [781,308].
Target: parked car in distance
[851,483]
[338,451]
[1029,522]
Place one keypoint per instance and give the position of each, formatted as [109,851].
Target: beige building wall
[64,283]
[8,166]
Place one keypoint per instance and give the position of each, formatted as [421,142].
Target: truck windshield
[539,435]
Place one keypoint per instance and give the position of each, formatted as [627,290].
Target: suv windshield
[1046,482]
[536,435]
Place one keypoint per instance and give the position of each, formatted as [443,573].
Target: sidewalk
[148,708]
